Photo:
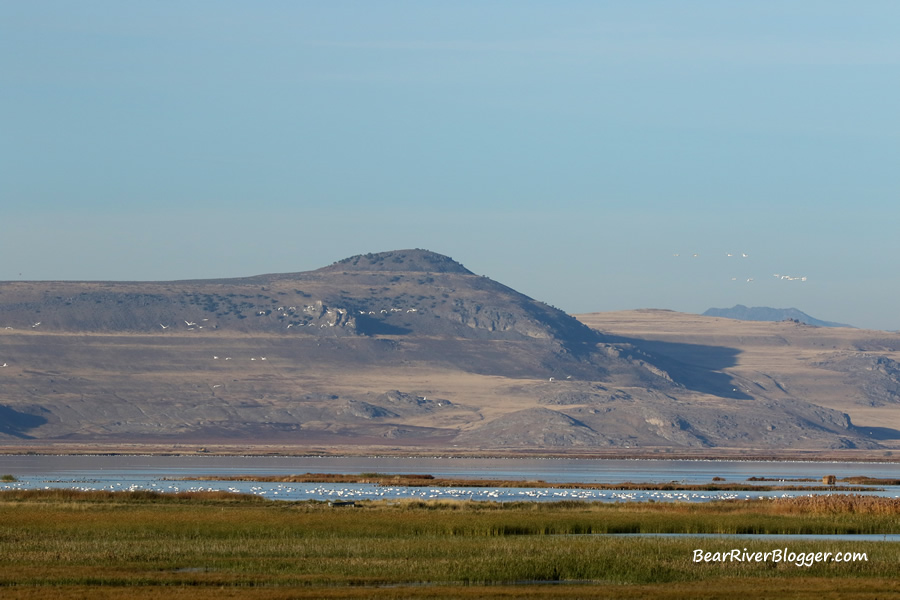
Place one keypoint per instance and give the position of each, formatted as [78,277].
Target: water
[157,473]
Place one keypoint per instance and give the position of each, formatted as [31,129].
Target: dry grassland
[779,357]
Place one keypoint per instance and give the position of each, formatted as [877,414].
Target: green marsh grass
[57,542]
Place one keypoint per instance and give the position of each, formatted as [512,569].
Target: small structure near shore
[829,480]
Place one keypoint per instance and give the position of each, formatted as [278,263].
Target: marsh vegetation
[60,543]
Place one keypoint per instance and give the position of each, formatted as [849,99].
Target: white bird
[189,323]
[215,358]
[262,358]
[163,326]
[3,365]
[744,255]
[36,324]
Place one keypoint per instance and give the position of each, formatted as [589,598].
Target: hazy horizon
[568,150]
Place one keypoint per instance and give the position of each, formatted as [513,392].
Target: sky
[568,149]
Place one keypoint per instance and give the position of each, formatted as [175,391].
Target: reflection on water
[150,472]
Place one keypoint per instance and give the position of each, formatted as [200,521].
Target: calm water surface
[156,472]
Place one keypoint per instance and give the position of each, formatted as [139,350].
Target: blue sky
[567,149]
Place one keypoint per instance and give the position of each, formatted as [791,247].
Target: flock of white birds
[778,276]
[343,492]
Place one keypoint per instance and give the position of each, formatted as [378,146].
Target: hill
[402,349]
[764,313]
[854,371]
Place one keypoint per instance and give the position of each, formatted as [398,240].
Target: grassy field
[66,544]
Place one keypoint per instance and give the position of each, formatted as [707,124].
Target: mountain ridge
[402,348]
[765,313]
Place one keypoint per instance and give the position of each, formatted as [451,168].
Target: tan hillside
[409,349]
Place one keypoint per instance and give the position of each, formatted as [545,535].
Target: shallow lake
[121,472]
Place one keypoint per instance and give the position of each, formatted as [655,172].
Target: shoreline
[284,450]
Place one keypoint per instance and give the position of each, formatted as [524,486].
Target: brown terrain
[408,351]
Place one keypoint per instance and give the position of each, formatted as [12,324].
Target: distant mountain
[399,349]
[401,295]
[765,313]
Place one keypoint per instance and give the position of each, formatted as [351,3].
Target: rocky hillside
[403,349]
